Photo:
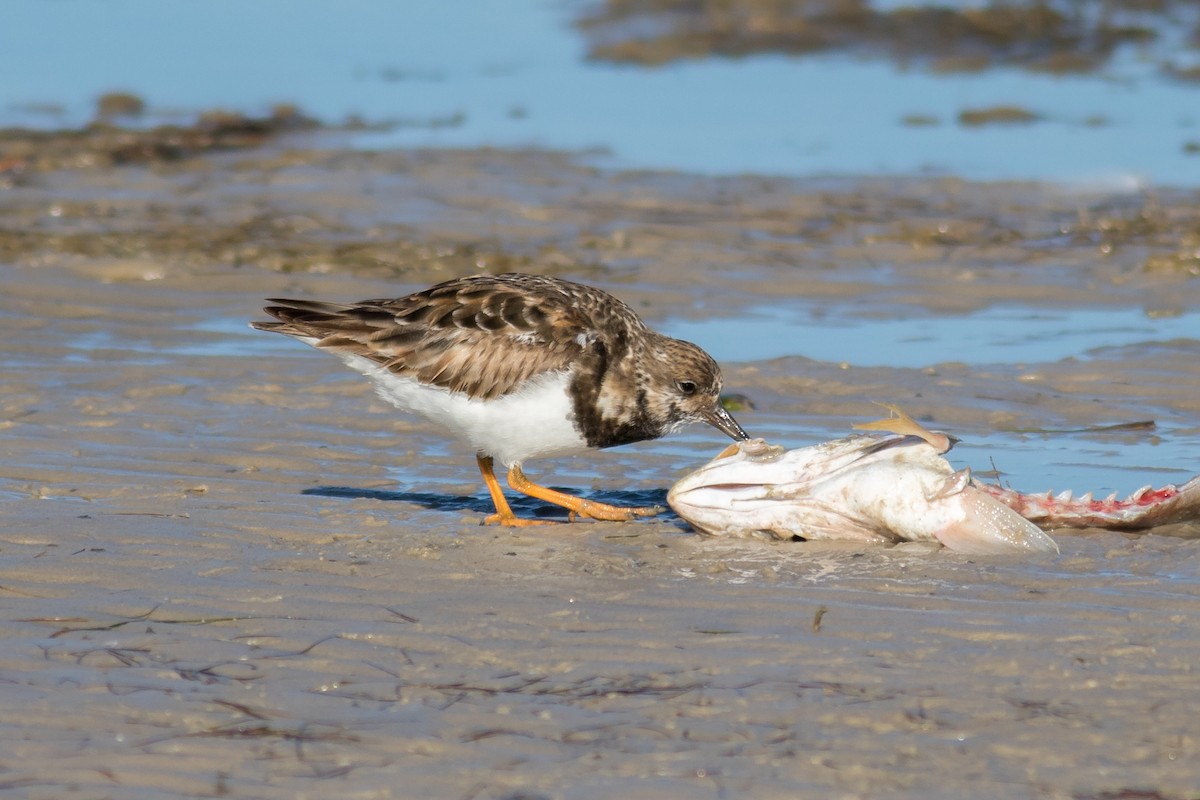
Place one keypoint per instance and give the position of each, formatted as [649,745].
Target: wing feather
[483,336]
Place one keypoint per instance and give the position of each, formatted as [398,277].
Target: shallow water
[1001,334]
[996,335]
[1032,461]
[467,74]
[1080,463]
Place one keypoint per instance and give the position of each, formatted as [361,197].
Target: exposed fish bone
[1146,508]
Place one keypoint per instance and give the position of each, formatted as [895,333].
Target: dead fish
[896,486]
[869,487]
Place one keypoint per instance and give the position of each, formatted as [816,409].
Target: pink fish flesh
[1146,508]
[894,487]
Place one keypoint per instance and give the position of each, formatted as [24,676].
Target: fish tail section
[1145,508]
[989,526]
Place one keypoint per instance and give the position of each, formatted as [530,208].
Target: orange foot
[577,506]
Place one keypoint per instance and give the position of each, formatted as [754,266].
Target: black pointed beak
[720,419]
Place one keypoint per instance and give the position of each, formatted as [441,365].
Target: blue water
[513,73]
[1100,462]
[1097,463]
[995,335]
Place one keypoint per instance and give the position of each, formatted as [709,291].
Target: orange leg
[504,514]
[576,505]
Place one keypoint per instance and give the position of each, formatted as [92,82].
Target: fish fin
[905,425]
[990,527]
[952,485]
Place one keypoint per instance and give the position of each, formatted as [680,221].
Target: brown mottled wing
[482,336]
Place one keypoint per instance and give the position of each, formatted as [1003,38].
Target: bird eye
[686,387]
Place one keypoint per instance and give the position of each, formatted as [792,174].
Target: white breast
[535,421]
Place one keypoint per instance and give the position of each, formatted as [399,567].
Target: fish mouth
[720,419]
[722,498]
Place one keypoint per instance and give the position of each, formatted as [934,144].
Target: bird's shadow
[481,504]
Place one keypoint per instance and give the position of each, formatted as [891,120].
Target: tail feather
[317,319]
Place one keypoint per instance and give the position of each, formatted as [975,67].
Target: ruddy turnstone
[520,366]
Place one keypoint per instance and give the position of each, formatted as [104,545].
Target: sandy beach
[228,570]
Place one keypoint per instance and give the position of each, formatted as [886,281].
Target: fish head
[756,488]
[715,497]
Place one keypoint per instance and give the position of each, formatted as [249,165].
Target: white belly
[535,421]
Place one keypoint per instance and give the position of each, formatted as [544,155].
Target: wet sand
[226,569]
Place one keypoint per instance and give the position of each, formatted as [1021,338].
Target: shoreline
[228,570]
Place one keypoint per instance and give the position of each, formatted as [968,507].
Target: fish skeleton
[895,485]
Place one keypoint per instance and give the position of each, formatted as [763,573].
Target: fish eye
[686,387]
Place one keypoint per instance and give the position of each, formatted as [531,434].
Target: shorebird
[520,366]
